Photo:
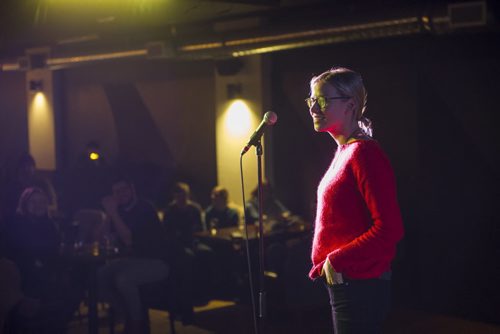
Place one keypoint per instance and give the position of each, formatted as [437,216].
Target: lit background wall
[41,118]
[236,120]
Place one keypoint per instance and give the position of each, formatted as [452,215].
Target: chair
[158,296]
[172,294]
[88,222]
[163,296]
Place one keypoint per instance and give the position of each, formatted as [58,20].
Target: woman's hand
[331,276]
[327,272]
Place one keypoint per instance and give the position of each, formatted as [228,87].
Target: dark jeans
[359,306]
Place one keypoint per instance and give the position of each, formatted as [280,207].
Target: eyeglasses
[322,101]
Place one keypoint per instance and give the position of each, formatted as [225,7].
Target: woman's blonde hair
[349,83]
[22,206]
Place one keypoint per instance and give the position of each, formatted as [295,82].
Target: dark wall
[433,102]
[13,117]
[155,118]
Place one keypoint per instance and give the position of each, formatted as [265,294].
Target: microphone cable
[250,279]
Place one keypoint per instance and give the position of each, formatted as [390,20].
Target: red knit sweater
[358,221]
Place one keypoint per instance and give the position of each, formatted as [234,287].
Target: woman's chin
[319,127]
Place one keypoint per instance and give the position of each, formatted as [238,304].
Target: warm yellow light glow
[94,156]
[39,102]
[101,3]
[97,57]
[238,119]
[41,112]
[41,130]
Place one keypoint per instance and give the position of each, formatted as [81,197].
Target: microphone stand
[262,293]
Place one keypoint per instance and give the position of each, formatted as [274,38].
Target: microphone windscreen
[270,118]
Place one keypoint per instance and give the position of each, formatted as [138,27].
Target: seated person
[219,214]
[182,217]
[31,241]
[143,241]
[273,211]
[26,176]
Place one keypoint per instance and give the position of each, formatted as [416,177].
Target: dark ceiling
[71,27]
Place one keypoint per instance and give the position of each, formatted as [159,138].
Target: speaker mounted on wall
[230,66]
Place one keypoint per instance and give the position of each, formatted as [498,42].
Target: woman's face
[337,113]
[37,205]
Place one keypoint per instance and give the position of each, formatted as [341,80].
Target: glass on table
[213,226]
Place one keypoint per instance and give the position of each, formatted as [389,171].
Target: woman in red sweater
[358,221]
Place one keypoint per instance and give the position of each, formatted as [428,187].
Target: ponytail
[366,126]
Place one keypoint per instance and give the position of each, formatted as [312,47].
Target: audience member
[183,217]
[143,241]
[30,239]
[277,219]
[219,214]
[273,210]
[25,176]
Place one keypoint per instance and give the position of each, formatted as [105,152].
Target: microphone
[270,119]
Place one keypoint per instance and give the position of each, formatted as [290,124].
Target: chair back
[88,222]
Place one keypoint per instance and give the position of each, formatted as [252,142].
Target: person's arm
[251,211]
[111,207]
[198,219]
[284,212]
[235,217]
[377,186]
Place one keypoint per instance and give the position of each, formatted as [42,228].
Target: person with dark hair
[32,242]
[219,214]
[183,217]
[358,221]
[143,243]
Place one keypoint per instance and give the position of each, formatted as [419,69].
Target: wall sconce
[234,91]
[36,85]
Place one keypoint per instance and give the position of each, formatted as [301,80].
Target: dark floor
[227,317]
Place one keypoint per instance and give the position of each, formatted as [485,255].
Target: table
[228,244]
[90,258]
[272,231]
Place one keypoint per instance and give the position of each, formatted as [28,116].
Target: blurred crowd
[98,209]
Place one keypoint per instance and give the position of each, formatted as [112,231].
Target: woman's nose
[314,109]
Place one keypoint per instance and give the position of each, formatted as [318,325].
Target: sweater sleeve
[376,183]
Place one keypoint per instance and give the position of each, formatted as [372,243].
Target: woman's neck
[348,135]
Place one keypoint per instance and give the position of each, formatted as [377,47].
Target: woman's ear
[351,107]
